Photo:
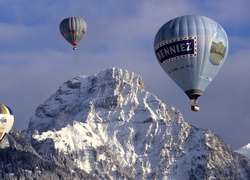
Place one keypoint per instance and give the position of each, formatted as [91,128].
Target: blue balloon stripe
[10,111]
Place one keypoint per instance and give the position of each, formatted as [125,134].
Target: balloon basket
[195,108]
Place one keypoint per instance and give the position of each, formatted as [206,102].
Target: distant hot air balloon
[191,50]
[6,120]
[73,29]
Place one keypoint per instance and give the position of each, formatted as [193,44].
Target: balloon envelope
[73,29]
[191,50]
[6,120]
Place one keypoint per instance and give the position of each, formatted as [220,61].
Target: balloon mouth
[74,43]
[194,94]
[2,134]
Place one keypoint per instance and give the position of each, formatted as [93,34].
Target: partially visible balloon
[73,29]
[191,50]
[6,120]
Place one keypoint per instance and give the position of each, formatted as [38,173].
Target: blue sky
[36,60]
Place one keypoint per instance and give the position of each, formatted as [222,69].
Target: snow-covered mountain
[108,126]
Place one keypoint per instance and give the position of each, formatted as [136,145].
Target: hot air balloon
[191,50]
[6,120]
[73,29]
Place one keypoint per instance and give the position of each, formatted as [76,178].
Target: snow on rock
[245,150]
[118,129]
[82,98]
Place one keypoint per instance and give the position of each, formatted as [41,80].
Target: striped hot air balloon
[191,50]
[6,120]
[73,29]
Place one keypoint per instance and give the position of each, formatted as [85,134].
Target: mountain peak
[113,128]
[75,99]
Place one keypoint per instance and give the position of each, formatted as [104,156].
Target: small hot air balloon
[6,120]
[73,29]
[191,50]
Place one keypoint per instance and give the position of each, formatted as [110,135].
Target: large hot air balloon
[191,50]
[73,29]
[6,120]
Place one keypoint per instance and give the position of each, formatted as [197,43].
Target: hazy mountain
[107,126]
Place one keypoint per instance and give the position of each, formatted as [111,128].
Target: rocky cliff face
[108,126]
